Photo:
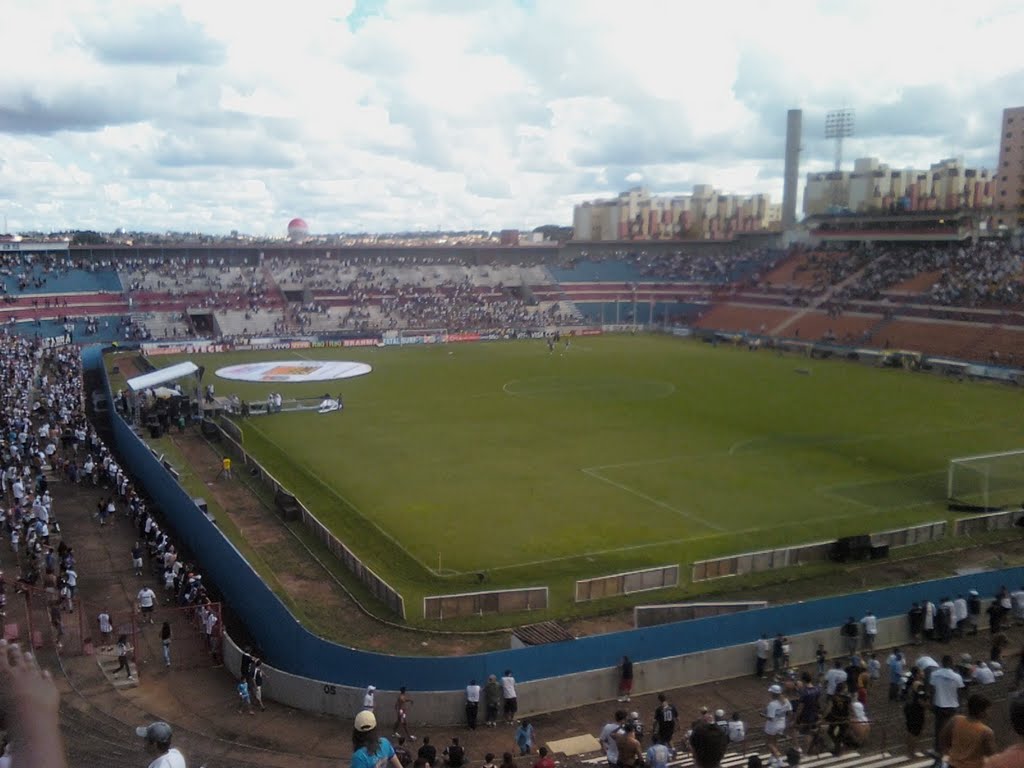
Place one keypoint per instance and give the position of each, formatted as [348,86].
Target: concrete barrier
[765,560]
[643,580]
[800,554]
[992,521]
[908,537]
[442,607]
[443,708]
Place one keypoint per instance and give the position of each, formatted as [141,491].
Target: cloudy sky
[389,115]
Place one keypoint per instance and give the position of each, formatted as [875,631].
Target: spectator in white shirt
[870,624]
[834,677]
[609,738]
[946,685]
[147,601]
[775,719]
[983,675]
[960,615]
[472,704]
[737,729]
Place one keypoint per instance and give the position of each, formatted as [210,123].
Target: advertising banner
[193,347]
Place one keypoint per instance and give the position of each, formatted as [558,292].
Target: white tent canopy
[162,376]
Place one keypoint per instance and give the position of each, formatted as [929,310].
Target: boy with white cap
[158,742]
[775,720]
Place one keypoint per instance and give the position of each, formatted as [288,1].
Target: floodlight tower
[838,126]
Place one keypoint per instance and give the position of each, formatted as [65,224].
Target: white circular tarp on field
[292,372]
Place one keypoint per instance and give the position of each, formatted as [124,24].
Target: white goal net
[986,481]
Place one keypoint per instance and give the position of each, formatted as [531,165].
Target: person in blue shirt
[368,749]
[896,669]
[524,737]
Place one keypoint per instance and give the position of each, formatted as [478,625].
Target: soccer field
[616,453]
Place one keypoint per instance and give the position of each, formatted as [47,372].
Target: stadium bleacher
[34,280]
[954,299]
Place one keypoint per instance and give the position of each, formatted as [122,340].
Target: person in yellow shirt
[967,741]
[225,468]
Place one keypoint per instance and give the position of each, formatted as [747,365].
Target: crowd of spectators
[40,407]
[824,706]
[215,284]
[338,273]
[719,263]
[31,269]
[44,433]
[399,291]
[983,274]
[706,266]
[453,306]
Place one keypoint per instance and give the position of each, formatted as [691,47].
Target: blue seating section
[103,280]
[628,272]
[600,272]
[604,312]
[49,328]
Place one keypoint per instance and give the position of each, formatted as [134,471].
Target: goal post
[986,481]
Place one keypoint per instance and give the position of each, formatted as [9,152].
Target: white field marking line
[662,460]
[737,446]
[830,491]
[354,508]
[657,502]
[836,497]
[302,356]
[662,543]
[546,390]
[861,484]
[873,507]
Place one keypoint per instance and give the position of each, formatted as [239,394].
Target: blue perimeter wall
[289,646]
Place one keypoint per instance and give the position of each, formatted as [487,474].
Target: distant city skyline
[407,115]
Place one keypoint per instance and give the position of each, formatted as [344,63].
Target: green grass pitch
[618,453]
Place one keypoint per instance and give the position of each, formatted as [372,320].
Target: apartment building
[1009,198]
[706,214]
[874,187]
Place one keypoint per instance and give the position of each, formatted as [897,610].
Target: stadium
[259,488]
[689,444]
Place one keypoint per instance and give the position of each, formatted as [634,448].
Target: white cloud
[405,114]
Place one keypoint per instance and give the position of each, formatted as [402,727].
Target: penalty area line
[661,543]
[657,502]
